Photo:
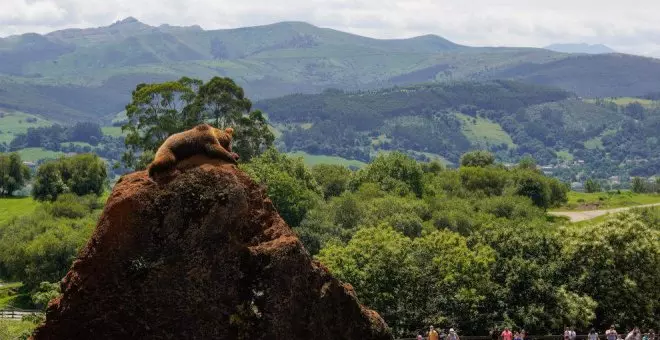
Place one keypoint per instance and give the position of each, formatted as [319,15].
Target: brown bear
[203,139]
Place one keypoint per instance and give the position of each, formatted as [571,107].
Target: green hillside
[618,75]
[312,160]
[508,118]
[38,154]
[14,122]
[483,132]
[83,74]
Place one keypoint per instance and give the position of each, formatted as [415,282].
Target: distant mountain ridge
[580,48]
[89,73]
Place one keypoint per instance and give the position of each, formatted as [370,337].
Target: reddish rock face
[201,255]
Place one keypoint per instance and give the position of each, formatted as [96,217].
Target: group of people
[434,335]
[569,334]
[508,335]
[612,334]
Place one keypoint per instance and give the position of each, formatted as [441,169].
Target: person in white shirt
[611,333]
[452,335]
[593,335]
[567,333]
[635,334]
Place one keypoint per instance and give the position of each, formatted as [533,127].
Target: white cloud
[628,26]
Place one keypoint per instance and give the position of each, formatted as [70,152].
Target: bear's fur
[203,139]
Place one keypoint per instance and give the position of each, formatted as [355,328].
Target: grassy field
[14,207]
[484,132]
[13,123]
[35,154]
[312,160]
[120,117]
[565,155]
[623,101]
[9,293]
[597,142]
[578,201]
[113,131]
[629,100]
[81,144]
[15,329]
[594,143]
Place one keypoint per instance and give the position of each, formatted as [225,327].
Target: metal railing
[16,313]
[529,337]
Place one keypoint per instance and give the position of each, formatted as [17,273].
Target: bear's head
[225,138]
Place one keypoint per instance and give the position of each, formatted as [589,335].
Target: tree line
[80,174]
[159,110]
[13,174]
[468,248]
[638,185]
[51,137]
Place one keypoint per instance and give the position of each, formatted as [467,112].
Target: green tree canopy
[527,162]
[13,173]
[223,101]
[616,263]
[81,174]
[591,186]
[638,185]
[533,185]
[252,135]
[289,183]
[412,283]
[159,110]
[40,247]
[530,289]
[333,179]
[394,172]
[480,158]
[489,181]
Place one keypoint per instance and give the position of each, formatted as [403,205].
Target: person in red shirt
[506,334]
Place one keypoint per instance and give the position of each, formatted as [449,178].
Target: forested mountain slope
[79,74]
[509,118]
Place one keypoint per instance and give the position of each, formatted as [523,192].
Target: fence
[16,314]
[529,337]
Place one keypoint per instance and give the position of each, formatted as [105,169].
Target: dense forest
[83,137]
[508,118]
[469,248]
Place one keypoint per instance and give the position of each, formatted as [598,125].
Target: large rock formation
[201,255]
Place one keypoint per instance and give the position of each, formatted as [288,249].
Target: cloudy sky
[630,26]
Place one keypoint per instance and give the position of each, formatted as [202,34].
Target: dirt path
[577,216]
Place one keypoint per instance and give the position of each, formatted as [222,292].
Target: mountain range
[580,48]
[83,74]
